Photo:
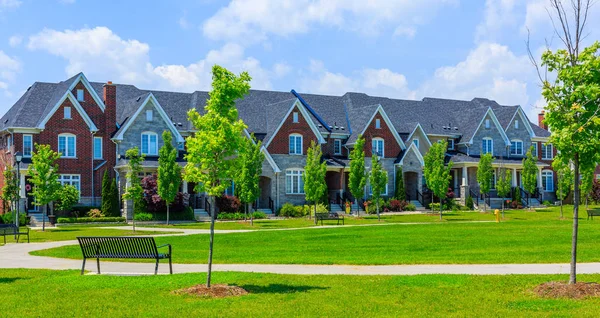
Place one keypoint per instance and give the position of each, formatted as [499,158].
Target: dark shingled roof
[262,110]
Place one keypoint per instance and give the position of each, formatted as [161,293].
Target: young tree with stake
[485,175]
[400,193]
[437,173]
[169,171]
[134,190]
[529,176]
[504,185]
[314,176]
[213,149]
[247,181]
[564,184]
[358,176]
[378,180]
[43,172]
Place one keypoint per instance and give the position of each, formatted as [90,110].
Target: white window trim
[149,133]
[491,145]
[516,124]
[65,155]
[384,193]
[296,136]
[149,115]
[299,173]
[337,141]
[82,95]
[94,148]
[450,144]
[65,112]
[295,117]
[416,142]
[535,147]
[30,136]
[377,123]
[521,148]
[546,174]
[62,180]
[544,157]
[487,124]
[382,147]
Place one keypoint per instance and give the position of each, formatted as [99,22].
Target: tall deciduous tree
[315,186]
[169,171]
[485,175]
[213,148]
[247,180]
[564,182]
[10,191]
[504,185]
[400,192]
[572,99]
[358,176]
[378,180]
[529,176]
[436,172]
[134,190]
[43,172]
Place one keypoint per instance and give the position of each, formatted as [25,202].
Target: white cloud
[254,20]
[490,70]
[106,56]
[379,82]
[9,68]
[8,4]
[15,40]
[498,15]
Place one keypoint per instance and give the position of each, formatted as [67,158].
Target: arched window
[67,145]
[548,180]
[516,147]
[377,146]
[295,144]
[149,143]
[487,146]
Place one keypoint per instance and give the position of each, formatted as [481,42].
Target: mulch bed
[566,290]
[215,291]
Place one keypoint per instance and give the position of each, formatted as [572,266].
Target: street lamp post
[18,157]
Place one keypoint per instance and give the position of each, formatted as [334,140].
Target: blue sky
[402,49]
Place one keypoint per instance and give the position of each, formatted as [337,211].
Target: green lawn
[37,293]
[72,232]
[526,237]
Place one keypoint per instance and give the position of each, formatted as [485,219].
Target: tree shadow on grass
[280,289]
[8,280]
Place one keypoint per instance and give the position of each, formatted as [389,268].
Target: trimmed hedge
[240,216]
[91,220]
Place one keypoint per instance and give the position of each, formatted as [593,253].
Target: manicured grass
[72,232]
[37,293]
[527,237]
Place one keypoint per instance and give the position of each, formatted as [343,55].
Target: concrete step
[265,211]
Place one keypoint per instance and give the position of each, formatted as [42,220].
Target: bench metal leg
[98,264]
[18,237]
[83,266]
[170,266]
[156,268]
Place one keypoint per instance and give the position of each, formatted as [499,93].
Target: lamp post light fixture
[18,158]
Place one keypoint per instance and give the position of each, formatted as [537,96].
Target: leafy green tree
[213,148]
[107,200]
[504,185]
[399,187]
[358,176]
[169,171]
[247,180]
[529,176]
[134,190]
[67,196]
[587,181]
[437,173]
[43,172]
[114,196]
[564,183]
[10,191]
[378,180]
[485,175]
[314,175]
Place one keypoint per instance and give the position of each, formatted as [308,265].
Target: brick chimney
[110,124]
[541,120]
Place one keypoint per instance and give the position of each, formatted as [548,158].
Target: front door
[30,200]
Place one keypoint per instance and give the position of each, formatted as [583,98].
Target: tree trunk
[251,215]
[44,218]
[212,237]
[378,217]
[573,273]
[246,212]
[315,212]
[167,213]
[441,208]
[484,205]
[561,209]
[133,214]
[503,201]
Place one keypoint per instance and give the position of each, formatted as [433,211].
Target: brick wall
[328,148]
[391,146]
[280,144]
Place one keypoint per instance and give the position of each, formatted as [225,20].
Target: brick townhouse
[92,125]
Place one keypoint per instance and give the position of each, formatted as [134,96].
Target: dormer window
[377,123]
[487,146]
[295,144]
[337,147]
[67,113]
[295,117]
[80,95]
[377,147]
[516,124]
[149,115]
[416,142]
[487,124]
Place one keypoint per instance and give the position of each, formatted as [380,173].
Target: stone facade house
[92,124]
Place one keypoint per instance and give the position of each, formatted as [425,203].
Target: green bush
[68,195]
[259,215]
[372,207]
[80,210]
[321,208]
[410,207]
[434,206]
[547,203]
[240,216]
[91,220]
[143,217]
[289,210]
[9,218]
[469,204]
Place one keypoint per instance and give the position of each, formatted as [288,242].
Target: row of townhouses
[92,125]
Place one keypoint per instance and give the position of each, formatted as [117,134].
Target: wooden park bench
[11,229]
[134,247]
[329,216]
[592,213]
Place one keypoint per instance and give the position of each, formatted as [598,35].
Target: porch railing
[340,201]
[524,194]
[475,196]
[271,205]
[488,200]
[207,206]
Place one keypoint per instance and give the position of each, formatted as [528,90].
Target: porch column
[22,194]
[342,182]
[185,187]
[464,187]
[514,177]
[465,176]
[539,177]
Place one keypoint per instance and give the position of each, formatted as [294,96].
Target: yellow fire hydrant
[497,213]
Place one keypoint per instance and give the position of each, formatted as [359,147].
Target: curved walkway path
[17,256]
